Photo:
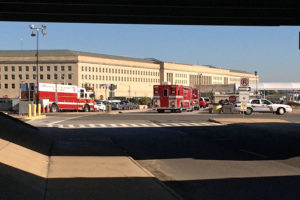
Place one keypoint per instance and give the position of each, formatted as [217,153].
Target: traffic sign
[244,88]
[244,106]
[243,96]
[232,99]
[245,82]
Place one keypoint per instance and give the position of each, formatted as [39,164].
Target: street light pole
[255,73]
[37,29]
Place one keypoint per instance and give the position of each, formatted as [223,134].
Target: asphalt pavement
[200,159]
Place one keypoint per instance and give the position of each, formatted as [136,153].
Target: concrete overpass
[189,12]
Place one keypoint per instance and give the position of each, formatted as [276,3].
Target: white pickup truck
[264,105]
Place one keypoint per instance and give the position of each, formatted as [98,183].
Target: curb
[227,121]
[33,118]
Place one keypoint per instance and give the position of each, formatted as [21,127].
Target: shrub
[293,103]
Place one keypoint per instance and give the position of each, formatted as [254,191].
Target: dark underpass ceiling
[184,12]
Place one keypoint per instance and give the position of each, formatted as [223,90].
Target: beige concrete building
[134,77]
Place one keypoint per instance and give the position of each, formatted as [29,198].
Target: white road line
[134,125]
[60,126]
[81,126]
[144,125]
[67,119]
[102,125]
[92,125]
[71,126]
[253,153]
[49,125]
[113,125]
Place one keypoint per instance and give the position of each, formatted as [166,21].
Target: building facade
[134,77]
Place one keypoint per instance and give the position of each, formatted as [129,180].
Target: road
[199,159]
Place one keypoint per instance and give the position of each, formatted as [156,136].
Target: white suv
[264,105]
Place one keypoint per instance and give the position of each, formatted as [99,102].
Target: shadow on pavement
[273,141]
[267,188]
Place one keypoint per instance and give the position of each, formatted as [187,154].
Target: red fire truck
[65,97]
[175,98]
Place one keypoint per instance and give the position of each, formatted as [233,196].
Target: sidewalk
[227,121]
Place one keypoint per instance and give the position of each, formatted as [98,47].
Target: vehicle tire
[180,110]
[86,108]
[248,111]
[280,111]
[54,108]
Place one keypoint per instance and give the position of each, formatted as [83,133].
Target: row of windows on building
[96,86]
[218,78]
[181,75]
[180,81]
[118,78]
[13,85]
[118,71]
[27,68]
[47,76]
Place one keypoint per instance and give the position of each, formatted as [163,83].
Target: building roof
[31,53]
[239,71]
[64,52]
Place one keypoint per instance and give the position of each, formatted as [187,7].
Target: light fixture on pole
[35,32]
[200,81]
[255,73]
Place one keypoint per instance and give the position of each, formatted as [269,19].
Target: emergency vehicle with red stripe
[175,98]
[65,97]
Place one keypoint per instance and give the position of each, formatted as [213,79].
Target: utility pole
[37,29]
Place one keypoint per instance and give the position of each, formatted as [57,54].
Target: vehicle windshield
[267,102]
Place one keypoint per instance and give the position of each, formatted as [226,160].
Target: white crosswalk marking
[70,126]
[207,124]
[154,125]
[164,124]
[184,124]
[195,124]
[175,124]
[134,125]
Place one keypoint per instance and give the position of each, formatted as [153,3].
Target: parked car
[264,105]
[100,105]
[202,102]
[115,106]
[207,100]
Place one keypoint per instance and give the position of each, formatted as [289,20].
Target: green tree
[211,96]
[143,101]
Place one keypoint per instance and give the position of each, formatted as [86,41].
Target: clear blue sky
[272,51]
